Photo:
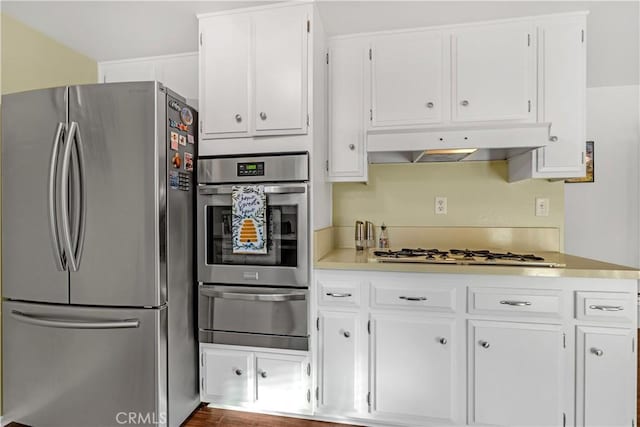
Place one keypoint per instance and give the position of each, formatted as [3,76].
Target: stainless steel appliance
[255,300]
[284,178]
[464,257]
[98,324]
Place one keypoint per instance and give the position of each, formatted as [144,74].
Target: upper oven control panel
[288,167]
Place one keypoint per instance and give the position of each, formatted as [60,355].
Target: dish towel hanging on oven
[249,219]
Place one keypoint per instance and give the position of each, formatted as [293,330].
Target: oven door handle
[268,189]
[294,296]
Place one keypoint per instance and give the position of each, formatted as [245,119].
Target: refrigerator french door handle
[64,199]
[74,323]
[52,199]
[81,225]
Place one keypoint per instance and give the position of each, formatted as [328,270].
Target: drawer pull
[515,303]
[413,298]
[238,372]
[606,307]
[338,294]
[484,344]
[597,352]
[346,334]
[442,341]
[263,374]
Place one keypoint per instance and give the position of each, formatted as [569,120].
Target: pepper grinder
[359,236]
[369,234]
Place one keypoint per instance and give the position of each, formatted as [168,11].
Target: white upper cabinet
[494,72]
[347,89]
[562,94]
[224,75]
[253,72]
[407,78]
[177,72]
[280,75]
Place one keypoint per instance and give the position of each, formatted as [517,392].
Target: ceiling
[111,30]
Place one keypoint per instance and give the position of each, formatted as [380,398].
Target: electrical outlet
[542,206]
[441,205]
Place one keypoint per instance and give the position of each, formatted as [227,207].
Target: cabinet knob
[443,341]
[263,374]
[464,103]
[553,138]
[238,372]
[485,344]
[352,147]
[429,104]
[597,352]
[238,118]
[346,334]
[263,115]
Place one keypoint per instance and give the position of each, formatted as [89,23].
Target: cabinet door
[347,150]
[339,369]
[226,376]
[413,369]
[282,382]
[606,377]
[224,75]
[516,374]
[406,78]
[562,87]
[280,74]
[130,71]
[494,73]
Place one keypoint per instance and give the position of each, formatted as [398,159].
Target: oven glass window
[282,238]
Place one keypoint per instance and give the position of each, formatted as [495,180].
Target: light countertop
[349,259]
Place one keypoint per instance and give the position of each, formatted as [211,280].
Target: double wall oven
[254,299]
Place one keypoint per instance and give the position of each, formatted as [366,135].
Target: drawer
[605,306]
[338,293]
[417,296]
[507,301]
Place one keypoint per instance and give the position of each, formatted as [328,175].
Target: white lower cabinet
[339,372]
[412,368]
[226,376]
[602,354]
[269,381]
[516,374]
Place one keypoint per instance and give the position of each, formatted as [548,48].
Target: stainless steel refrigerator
[97,256]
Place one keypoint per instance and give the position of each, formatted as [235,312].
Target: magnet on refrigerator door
[190,139]
[188,161]
[176,160]
[182,140]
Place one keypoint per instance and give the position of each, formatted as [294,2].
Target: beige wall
[31,60]
[478,195]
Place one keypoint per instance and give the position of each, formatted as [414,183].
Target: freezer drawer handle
[74,324]
[254,297]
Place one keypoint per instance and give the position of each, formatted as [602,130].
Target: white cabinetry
[494,72]
[178,72]
[280,74]
[253,72]
[224,75]
[347,97]
[561,94]
[412,368]
[226,376]
[338,381]
[407,74]
[255,378]
[516,374]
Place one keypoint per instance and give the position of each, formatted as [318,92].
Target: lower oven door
[253,316]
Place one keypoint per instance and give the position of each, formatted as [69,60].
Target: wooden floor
[209,417]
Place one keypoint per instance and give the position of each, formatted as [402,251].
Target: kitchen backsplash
[478,195]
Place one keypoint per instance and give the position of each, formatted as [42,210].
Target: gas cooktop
[462,257]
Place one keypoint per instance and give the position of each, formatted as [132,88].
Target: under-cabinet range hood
[452,144]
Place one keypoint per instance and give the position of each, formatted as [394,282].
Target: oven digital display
[251,169]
